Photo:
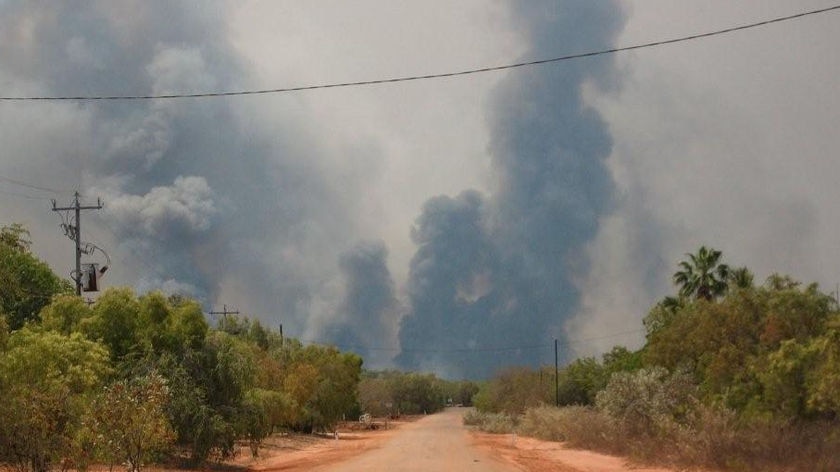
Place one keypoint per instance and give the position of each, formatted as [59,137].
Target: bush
[497,423]
[513,390]
[579,426]
[647,401]
[707,437]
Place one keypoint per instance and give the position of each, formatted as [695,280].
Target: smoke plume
[493,279]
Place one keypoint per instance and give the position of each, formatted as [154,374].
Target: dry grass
[579,426]
[497,423]
[710,439]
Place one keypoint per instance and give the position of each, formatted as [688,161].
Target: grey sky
[280,205]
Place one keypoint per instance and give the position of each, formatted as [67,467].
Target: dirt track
[434,443]
[437,443]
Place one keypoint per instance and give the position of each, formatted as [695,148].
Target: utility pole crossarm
[224,312]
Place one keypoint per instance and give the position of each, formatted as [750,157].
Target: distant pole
[224,312]
[556,376]
[75,233]
[281,334]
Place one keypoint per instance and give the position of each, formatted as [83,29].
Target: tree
[741,278]
[66,314]
[375,396]
[115,322]
[26,283]
[580,381]
[263,410]
[131,415]
[748,350]
[189,327]
[46,380]
[4,332]
[464,391]
[823,381]
[663,314]
[644,399]
[515,389]
[15,237]
[703,276]
[155,324]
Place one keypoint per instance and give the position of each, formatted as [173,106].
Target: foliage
[45,381]
[392,392]
[498,423]
[322,381]
[513,390]
[219,385]
[26,283]
[15,237]
[65,314]
[115,321]
[462,393]
[4,332]
[644,400]
[130,419]
[375,395]
[579,426]
[803,380]
[580,381]
[263,411]
[740,278]
[171,377]
[414,393]
[742,349]
[516,389]
[703,275]
[733,376]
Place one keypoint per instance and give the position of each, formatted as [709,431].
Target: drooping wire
[427,76]
[23,195]
[31,186]
[475,350]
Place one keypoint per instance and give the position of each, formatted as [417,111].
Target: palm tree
[741,278]
[703,275]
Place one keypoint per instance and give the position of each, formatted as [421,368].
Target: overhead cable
[477,349]
[427,76]
[30,186]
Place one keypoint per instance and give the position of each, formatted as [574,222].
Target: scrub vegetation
[137,379]
[732,376]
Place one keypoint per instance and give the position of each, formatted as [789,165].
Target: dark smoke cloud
[497,272]
[198,193]
[365,321]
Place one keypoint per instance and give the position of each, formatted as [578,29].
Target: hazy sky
[427,224]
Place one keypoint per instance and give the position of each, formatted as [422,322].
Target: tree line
[134,379]
[721,355]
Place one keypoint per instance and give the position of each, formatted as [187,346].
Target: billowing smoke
[365,321]
[251,202]
[493,279]
[199,195]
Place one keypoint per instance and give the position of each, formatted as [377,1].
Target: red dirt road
[437,442]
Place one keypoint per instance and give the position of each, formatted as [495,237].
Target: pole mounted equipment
[74,232]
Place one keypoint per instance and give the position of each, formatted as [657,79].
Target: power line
[31,186]
[476,350]
[22,195]
[430,76]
